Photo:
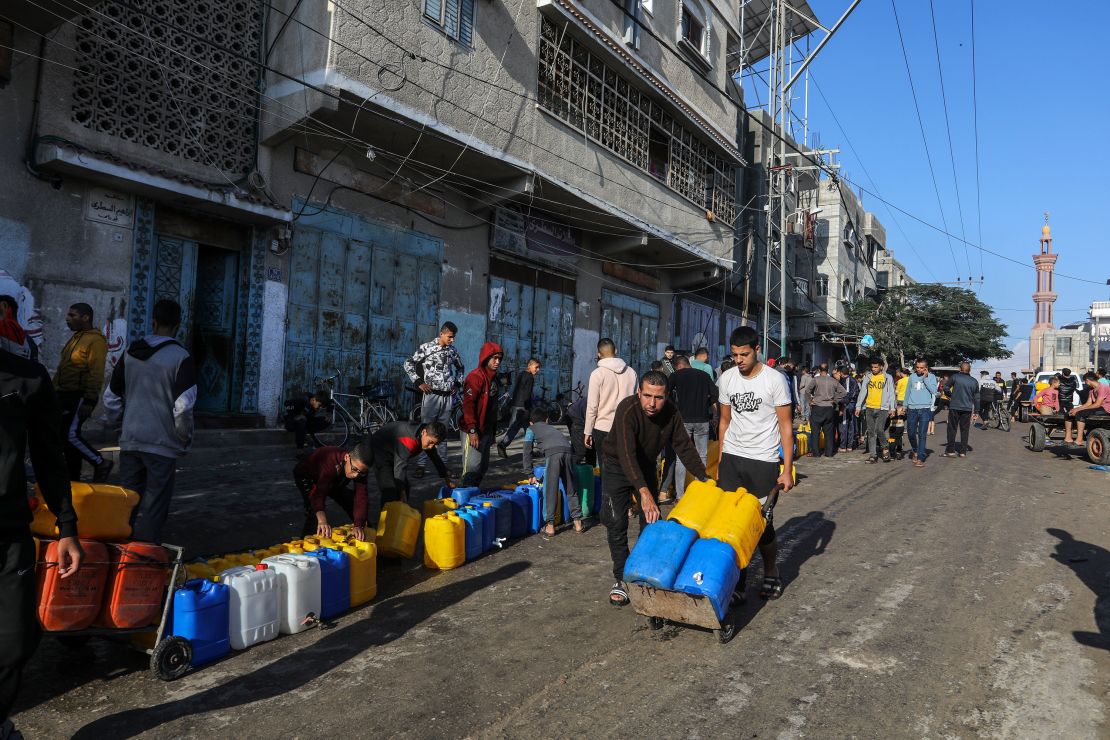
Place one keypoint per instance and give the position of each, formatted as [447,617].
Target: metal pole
[822,43]
[768,162]
[784,105]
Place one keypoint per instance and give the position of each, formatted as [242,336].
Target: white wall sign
[110,207]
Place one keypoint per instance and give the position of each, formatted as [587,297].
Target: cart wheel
[656,623]
[1037,436]
[171,658]
[73,642]
[727,631]
[1098,446]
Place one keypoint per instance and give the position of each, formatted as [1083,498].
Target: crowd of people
[648,434]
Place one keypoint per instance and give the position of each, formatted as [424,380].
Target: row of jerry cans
[283,594]
[463,523]
[706,541]
[119,586]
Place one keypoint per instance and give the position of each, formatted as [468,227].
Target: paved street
[967,599]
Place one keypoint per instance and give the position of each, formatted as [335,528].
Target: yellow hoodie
[81,367]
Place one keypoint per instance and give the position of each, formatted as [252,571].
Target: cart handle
[772,499]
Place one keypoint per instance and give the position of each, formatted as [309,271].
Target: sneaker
[502,451]
[101,471]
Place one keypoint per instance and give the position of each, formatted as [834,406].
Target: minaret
[1043,296]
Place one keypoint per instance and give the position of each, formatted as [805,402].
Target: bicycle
[415,413]
[568,399]
[555,410]
[1000,416]
[373,411]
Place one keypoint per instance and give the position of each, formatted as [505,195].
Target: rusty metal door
[633,325]
[698,328]
[358,305]
[530,321]
[213,326]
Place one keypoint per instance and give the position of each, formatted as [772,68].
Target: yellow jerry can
[738,520]
[444,542]
[695,508]
[398,530]
[103,512]
[363,557]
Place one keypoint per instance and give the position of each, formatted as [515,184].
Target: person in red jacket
[326,473]
[479,414]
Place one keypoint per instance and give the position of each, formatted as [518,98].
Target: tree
[946,325]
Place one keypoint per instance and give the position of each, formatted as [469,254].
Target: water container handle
[772,499]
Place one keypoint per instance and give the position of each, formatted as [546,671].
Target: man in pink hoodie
[610,383]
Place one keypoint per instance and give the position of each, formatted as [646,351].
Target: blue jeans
[699,432]
[848,429]
[917,426]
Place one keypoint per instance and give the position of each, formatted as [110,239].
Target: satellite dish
[867,341]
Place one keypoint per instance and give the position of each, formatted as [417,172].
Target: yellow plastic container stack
[103,512]
[398,530]
[713,452]
[444,542]
[737,520]
[200,570]
[695,508]
[293,547]
[219,565]
[437,506]
[363,557]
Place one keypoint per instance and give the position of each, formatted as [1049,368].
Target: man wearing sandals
[755,418]
[642,425]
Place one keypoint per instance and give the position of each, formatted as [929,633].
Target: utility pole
[783,19]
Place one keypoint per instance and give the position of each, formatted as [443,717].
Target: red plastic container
[136,585]
[72,603]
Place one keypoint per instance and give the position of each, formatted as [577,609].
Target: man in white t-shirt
[755,418]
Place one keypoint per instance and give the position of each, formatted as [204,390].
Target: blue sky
[1043,110]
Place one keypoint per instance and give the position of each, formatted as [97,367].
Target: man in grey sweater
[150,398]
[824,395]
[963,401]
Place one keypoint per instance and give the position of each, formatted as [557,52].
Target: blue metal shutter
[434,10]
[451,19]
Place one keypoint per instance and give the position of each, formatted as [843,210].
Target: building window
[1063,345]
[846,291]
[694,29]
[822,285]
[454,17]
[578,88]
[141,78]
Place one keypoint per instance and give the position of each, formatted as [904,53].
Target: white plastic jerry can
[299,590]
[254,604]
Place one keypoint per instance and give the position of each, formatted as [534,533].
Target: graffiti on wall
[28,316]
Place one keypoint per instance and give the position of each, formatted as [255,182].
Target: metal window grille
[581,90]
[160,79]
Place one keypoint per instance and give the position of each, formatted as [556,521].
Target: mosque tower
[1043,296]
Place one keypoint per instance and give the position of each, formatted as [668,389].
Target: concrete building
[849,242]
[890,273]
[761,140]
[321,186]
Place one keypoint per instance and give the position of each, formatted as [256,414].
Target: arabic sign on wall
[110,207]
[533,236]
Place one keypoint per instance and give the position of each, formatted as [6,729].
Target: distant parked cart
[1046,427]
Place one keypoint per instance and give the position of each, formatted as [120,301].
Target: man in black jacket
[522,403]
[1069,386]
[29,414]
[694,394]
[642,424]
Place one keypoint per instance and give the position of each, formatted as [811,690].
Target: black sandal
[618,596]
[772,588]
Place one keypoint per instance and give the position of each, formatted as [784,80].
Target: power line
[924,140]
[948,129]
[871,179]
[975,119]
